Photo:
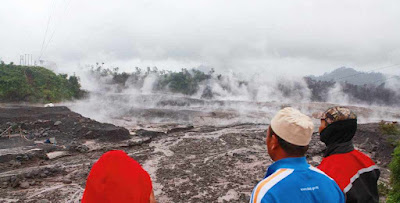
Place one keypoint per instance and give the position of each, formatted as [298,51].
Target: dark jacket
[354,172]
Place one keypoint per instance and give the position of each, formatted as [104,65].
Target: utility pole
[26,60]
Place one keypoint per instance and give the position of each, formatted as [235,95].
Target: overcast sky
[296,37]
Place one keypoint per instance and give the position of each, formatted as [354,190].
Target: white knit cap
[293,126]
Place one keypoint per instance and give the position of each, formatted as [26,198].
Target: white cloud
[301,37]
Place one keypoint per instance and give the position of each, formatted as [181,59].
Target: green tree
[394,194]
[36,84]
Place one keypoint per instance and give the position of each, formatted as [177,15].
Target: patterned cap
[338,113]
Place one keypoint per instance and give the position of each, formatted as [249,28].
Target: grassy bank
[393,130]
[394,194]
[36,84]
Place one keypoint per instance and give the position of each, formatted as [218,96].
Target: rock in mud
[67,181]
[14,163]
[180,129]
[140,141]
[15,181]
[106,132]
[76,147]
[148,133]
[57,123]
[24,185]
[56,154]
[88,134]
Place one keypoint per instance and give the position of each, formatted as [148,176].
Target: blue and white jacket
[294,180]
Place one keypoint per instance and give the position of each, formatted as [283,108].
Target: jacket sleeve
[364,188]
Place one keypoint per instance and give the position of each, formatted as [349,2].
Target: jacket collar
[339,148]
[296,163]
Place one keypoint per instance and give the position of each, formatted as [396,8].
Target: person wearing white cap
[290,178]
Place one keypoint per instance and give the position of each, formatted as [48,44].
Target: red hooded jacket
[116,177]
[354,172]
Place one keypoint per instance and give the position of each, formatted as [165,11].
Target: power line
[395,76]
[341,89]
[51,37]
[360,73]
[374,82]
[47,28]
[368,71]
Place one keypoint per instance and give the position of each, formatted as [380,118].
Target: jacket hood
[116,177]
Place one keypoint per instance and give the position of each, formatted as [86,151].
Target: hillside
[351,76]
[36,84]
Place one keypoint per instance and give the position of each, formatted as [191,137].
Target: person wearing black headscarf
[354,172]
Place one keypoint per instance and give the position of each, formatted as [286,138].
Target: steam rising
[337,96]
[219,100]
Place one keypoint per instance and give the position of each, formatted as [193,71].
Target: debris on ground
[209,163]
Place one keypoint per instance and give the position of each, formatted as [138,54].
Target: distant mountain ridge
[351,76]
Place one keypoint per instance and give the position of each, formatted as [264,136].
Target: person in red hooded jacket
[354,172]
[116,177]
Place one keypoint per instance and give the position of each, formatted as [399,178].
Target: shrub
[394,194]
[389,128]
[391,131]
[36,84]
[383,189]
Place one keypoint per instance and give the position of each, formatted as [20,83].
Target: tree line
[36,85]
[188,81]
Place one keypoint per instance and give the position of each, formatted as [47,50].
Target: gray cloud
[257,36]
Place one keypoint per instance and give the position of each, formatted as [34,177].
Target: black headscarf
[337,136]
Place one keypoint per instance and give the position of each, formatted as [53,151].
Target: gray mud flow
[187,163]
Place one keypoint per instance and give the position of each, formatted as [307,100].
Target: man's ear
[274,142]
